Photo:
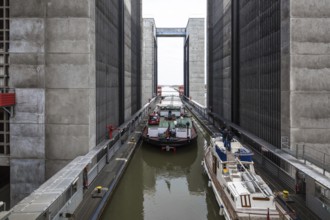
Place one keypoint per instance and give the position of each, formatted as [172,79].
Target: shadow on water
[164,185]
[184,157]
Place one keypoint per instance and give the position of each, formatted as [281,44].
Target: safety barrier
[59,196]
[310,154]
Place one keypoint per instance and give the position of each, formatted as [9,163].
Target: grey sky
[172,13]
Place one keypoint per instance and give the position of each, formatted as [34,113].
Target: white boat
[239,191]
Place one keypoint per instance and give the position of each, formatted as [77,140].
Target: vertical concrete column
[27,71]
[52,50]
[148,59]
[309,76]
[69,81]
[196,34]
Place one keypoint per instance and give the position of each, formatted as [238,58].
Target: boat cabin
[236,173]
[240,192]
[154,119]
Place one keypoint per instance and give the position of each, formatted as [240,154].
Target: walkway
[93,203]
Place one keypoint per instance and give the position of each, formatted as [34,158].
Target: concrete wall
[148,59]
[107,66]
[65,68]
[245,34]
[132,42]
[27,71]
[53,70]
[195,33]
[285,73]
[284,70]
[128,58]
[314,203]
[70,82]
[136,57]
[260,69]
[310,75]
[219,57]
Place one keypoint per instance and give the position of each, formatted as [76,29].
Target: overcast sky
[172,13]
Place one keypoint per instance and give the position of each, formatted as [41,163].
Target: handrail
[316,157]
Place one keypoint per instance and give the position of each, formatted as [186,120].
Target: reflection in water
[164,185]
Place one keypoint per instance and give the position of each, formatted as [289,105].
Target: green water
[164,186]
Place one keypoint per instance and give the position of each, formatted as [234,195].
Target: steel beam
[170,32]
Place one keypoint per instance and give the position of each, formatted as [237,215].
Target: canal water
[164,186]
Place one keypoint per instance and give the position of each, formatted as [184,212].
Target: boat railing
[253,180]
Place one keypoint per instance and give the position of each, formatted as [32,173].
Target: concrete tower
[268,73]
[194,59]
[76,68]
[149,60]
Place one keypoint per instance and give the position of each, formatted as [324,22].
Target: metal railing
[309,154]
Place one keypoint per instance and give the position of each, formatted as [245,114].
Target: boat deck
[232,176]
[218,187]
[181,122]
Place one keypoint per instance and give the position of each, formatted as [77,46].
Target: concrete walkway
[93,203]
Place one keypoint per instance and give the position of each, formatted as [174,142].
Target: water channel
[164,186]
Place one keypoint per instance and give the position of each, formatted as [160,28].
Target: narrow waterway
[164,186]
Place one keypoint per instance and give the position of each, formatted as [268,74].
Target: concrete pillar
[148,60]
[196,34]
[66,67]
[305,85]
[27,71]
[53,70]
[310,76]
